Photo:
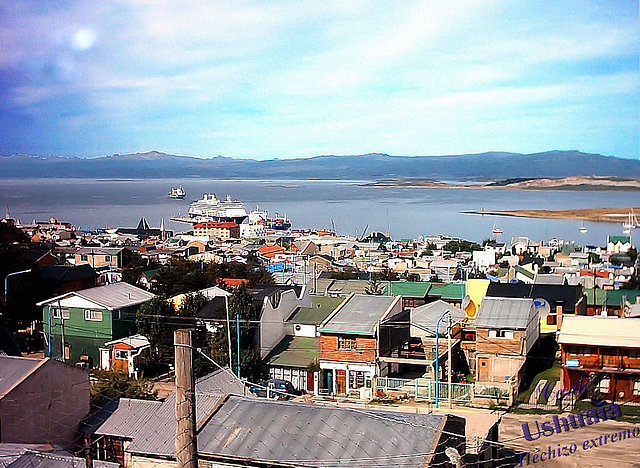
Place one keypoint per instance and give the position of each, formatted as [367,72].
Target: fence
[424,389]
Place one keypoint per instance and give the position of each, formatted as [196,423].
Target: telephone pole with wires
[185,444]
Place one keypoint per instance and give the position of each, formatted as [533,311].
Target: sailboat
[496,230]
[583,229]
[632,223]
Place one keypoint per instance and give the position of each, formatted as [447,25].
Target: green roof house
[87,319]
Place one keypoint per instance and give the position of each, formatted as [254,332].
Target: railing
[492,391]
[425,389]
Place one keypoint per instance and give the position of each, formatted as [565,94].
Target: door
[341,381]
[309,381]
[104,358]
[483,369]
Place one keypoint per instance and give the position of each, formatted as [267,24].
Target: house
[111,430]
[610,302]
[220,230]
[296,357]
[101,257]
[41,401]
[89,318]
[60,279]
[43,455]
[602,351]
[407,342]
[618,244]
[413,293]
[125,354]
[245,431]
[553,300]
[506,330]
[349,343]
[276,303]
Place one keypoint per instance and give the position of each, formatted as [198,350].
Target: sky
[265,79]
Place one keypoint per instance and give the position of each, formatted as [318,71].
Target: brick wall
[363,352]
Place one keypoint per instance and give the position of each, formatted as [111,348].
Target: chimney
[559,316]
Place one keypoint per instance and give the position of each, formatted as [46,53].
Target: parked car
[275,388]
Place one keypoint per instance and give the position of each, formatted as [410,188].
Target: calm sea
[403,212]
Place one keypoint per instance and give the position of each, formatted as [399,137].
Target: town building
[219,230]
[41,401]
[349,343]
[87,319]
[603,351]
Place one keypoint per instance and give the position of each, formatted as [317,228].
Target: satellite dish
[469,307]
[543,307]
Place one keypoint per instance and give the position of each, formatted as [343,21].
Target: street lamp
[446,312]
[6,281]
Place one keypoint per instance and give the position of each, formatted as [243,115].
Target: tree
[111,384]
[461,246]
[374,287]
[244,310]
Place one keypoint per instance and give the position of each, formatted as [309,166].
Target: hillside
[484,166]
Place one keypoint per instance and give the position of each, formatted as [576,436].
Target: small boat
[583,229]
[177,192]
[496,230]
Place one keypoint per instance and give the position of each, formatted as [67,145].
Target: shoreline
[601,215]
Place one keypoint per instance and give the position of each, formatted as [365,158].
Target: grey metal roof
[358,315]
[319,436]
[221,381]
[425,317]
[122,417]
[503,312]
[13,369]
[110,296]
[157,436]
[24,456]
[346,287]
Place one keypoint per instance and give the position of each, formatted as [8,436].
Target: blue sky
[295,79]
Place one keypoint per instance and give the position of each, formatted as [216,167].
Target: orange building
[221,230]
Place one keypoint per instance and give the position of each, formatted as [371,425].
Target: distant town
[453,342]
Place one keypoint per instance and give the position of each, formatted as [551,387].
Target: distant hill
[483,166]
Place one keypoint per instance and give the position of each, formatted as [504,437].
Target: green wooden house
[85,320]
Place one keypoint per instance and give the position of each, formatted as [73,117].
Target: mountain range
[372,166]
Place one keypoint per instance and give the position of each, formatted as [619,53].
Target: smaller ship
[496,230]
[583,229]
[177,192]
[279,223]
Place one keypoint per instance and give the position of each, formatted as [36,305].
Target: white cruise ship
[212,208]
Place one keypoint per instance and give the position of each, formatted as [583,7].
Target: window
[84,258]
[552,319]
[636,387]
[468,335]
[93,315]
[346,343]
[501,334]
[356,379]
[56,313]
[121,354]
[107,258]
[603,385]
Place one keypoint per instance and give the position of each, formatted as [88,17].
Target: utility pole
[226,306]
[238,340]
[185,445]
[449,364]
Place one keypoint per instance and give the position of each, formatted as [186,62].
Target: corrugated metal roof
[408,288]
[502,312]
[346,287]
[49,459]
[123,417]
[110,296]
[319,436]
[425,317]
[157,436]
[321,308]
[359,314]
[600,331]
[295,351]
[13,369]
[135,341]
